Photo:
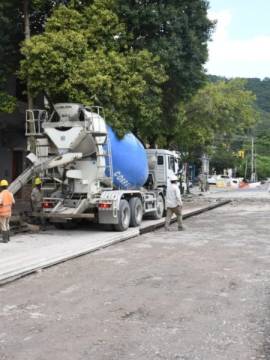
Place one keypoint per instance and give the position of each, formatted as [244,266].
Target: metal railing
[34,121]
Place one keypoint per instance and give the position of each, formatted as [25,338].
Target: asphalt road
[199,294]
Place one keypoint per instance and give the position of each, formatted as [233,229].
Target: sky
[240,45]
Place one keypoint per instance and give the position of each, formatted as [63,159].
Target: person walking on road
[6,202]
[174,203]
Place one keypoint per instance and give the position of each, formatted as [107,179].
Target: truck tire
[159,213]
[124,216]
[136,211]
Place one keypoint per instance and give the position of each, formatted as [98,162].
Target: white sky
[234,52]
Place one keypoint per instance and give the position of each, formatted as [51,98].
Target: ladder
[103,146]
[104,151]
[34,121]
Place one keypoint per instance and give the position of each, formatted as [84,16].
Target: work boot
[181,228]
[5,236]
[8,235]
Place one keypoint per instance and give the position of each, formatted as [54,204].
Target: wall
[12,143]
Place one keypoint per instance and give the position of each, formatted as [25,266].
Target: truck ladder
[34,121]
[104,151]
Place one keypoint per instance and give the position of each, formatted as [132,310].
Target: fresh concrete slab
[27,253]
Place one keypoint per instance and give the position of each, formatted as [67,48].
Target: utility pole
[253,164]
[27,34]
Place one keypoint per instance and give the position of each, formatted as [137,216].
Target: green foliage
[263,166]
[7,102]
[10,36]
[261,88]
[176,31]
[219,109]
[263,144]
[73,61]
[97,23]
[224,158]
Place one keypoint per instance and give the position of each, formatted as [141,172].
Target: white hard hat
[173,178]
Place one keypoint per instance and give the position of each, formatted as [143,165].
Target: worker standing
[173,203]
[201,181]
[6,202]
[36,200]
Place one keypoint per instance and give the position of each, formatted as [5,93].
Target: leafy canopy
[78,58]
[177,31]
[221,110]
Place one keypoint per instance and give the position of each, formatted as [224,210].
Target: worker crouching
[6,202]
[174,203]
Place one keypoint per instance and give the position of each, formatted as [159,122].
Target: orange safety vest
[7,200]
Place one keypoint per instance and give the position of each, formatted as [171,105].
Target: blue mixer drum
[129,161]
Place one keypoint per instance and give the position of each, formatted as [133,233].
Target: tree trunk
[30,103]
[27,35]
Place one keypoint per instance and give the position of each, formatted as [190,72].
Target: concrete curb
[33,266]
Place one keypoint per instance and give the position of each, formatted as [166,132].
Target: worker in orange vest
[6,202]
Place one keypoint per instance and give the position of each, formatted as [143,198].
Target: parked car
[219,179]
[212,180]
[184,185]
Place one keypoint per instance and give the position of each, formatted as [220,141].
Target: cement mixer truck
[89,173]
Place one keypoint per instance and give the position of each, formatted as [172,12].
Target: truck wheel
[158,214]
[136,211]
[124,216]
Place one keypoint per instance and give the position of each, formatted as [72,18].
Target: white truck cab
[162,164]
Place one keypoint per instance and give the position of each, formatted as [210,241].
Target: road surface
[199,294]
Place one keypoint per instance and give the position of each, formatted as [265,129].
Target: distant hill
[261,88]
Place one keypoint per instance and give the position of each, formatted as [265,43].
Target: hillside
[261,88]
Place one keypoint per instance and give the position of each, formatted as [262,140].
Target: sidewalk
[27,253]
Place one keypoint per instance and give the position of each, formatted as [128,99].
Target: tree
[20,19]
[79,58]
[217,112]
[10,36]
[177,31]
[7,102]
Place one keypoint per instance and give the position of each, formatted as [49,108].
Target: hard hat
[173,178]
[3,183]
[38,181]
